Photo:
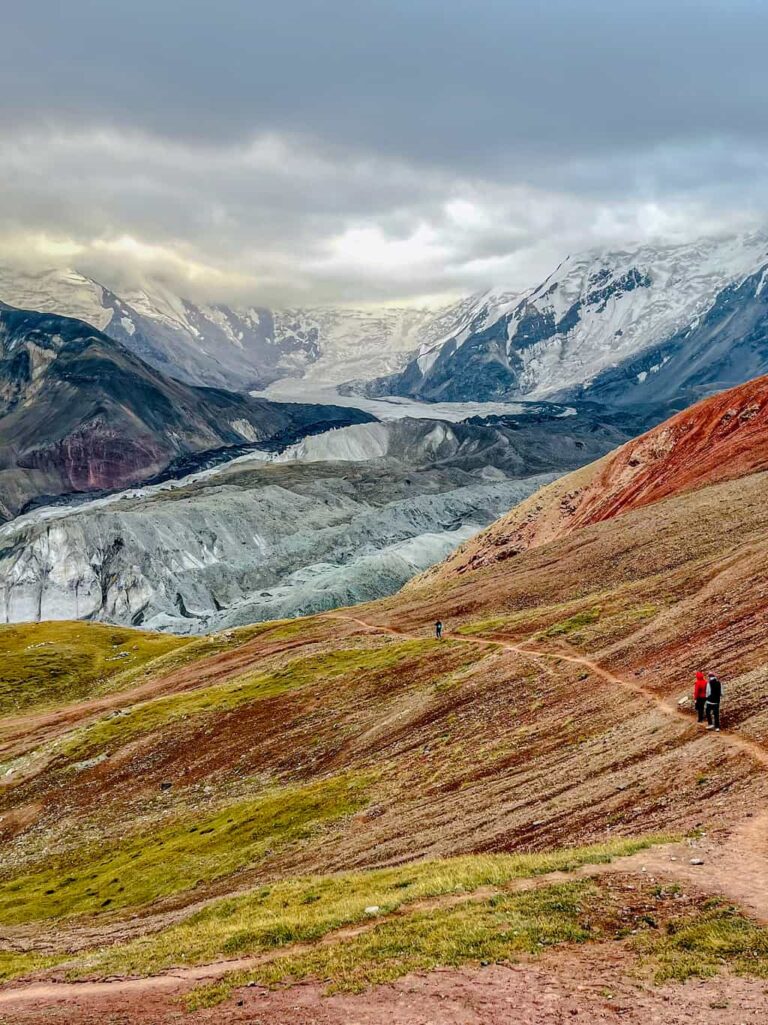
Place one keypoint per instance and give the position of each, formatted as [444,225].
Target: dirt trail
[756,751]
[741,865]
[737,869]
[181,977]
[671,862]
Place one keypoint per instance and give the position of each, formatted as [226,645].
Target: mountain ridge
[718,439]
[80,412]
[626,327]
[236,346]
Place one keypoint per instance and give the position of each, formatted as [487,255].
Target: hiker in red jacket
[700,694]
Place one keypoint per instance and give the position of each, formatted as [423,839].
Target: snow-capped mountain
[641,326]
[239,348]
[647,326]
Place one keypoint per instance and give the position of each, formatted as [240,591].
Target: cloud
[319,151]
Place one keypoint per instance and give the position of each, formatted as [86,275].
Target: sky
[373,151]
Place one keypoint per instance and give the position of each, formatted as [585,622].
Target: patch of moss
[616,624]
[717,937]
[476,932]
[199,648]
[302,910]
[577,622]
[47,664]
[16,964]
[177,857]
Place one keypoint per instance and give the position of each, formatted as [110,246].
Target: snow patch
[246,430]
[356,443]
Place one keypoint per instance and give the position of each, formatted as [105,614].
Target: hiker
[438,630]
[700,695]
[714,693]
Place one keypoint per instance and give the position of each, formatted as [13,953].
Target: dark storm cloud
[269,141]
[432,79]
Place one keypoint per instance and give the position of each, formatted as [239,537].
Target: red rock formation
[718,439]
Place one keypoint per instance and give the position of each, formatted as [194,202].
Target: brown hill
[721,438]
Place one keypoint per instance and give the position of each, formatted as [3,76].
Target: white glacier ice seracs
[337,518]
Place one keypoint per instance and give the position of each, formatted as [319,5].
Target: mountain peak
[604,325]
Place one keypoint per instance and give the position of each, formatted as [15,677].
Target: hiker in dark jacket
[700,695]
[438,630]
[714,693]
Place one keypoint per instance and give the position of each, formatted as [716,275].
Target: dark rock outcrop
[79,412]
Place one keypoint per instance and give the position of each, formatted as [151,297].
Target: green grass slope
[48,664]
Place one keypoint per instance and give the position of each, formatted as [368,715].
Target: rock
[373,909]
[697,861]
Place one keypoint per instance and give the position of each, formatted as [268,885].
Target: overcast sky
[303,151]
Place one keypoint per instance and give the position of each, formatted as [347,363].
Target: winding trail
[181,978]
[741,863]
[753,749]
[171,978]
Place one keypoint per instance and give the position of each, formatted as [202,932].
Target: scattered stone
[373,909]
[697,861]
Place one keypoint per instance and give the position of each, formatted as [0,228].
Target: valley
[501,390]
[340,517]
[383,513]
[349,805]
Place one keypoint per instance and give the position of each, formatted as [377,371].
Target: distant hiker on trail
[700,694]
[714,693]
[438,630]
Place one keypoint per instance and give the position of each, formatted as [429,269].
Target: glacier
[192,563]
[337,518]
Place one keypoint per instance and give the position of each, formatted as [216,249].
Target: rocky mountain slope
[719,439]
[80,413]
[343,801]
[340,517]
[239,347]
[656,326]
